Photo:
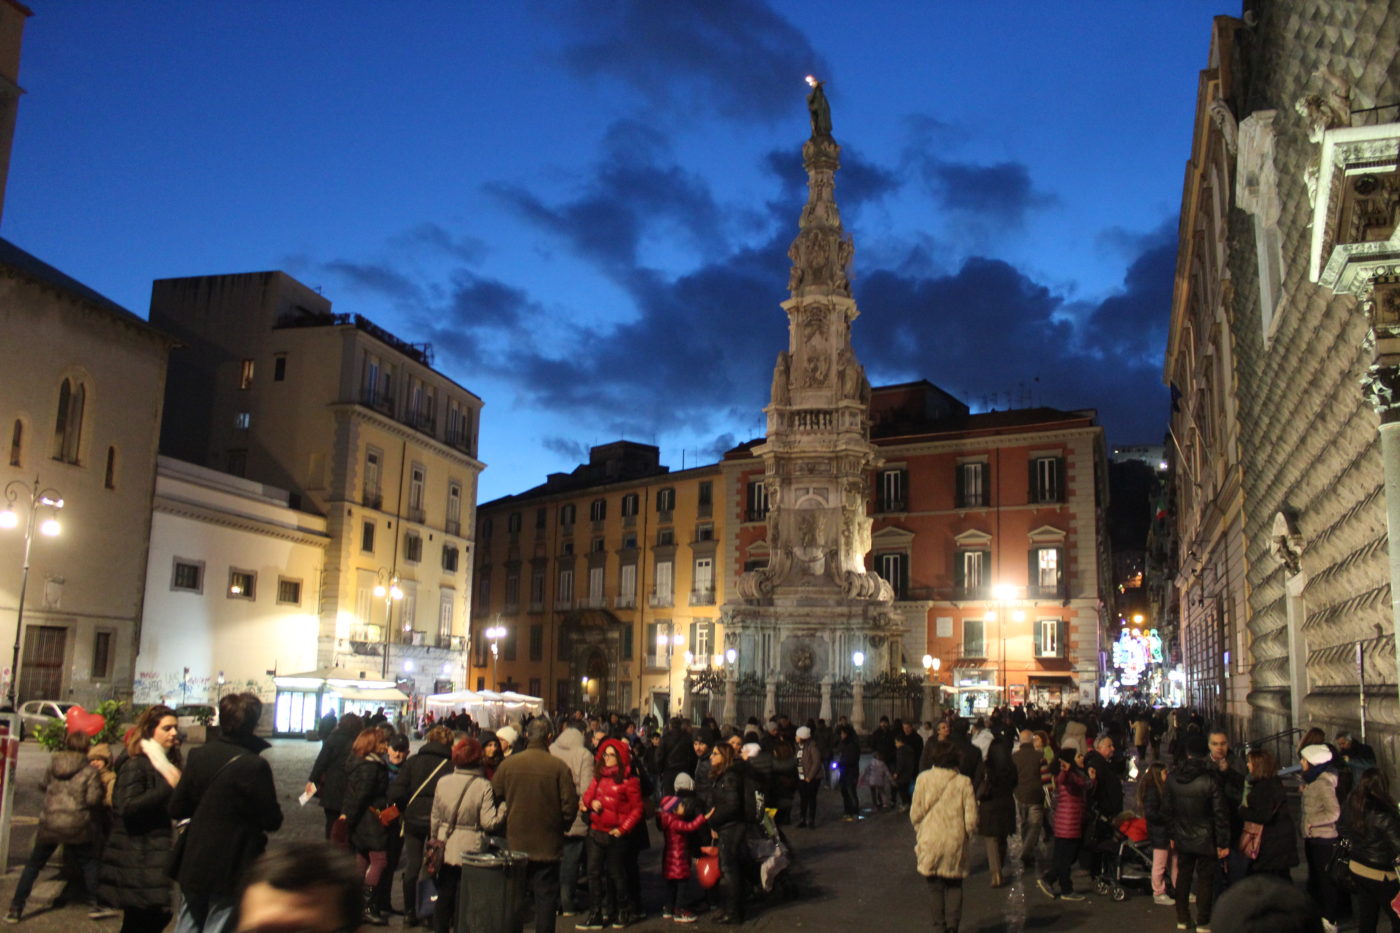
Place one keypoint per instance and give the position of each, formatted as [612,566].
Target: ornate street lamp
[37,498]
[387,589]
[495,633]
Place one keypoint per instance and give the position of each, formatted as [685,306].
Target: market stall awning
[1051,675]
[331,677]
[371,694]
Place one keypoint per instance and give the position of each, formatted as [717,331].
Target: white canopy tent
[489,708]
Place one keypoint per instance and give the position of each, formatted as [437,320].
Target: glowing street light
[496,633]
[38,498]
[387,588]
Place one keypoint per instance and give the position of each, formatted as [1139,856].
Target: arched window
[110,476]
[17,444]
[68,426]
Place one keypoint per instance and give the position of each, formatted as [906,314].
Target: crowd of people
[579,798]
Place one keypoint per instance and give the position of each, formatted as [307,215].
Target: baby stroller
[1130,865]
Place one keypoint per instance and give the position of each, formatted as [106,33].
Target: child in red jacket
[677,824]
[613,803]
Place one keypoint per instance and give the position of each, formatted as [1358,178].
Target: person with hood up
[412,791]
[568,748]
[1321,810]
[229,798]
[73,796]
[944,814]
[613,802]
[1199,821]
[1072,788]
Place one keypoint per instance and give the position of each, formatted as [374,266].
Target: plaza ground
[851,876]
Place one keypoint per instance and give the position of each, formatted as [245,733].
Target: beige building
[359,427]
[80,405]
[232,571]
[606,583]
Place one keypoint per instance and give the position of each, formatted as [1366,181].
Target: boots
[372,915]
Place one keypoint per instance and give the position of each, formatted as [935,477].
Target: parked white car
[35,714]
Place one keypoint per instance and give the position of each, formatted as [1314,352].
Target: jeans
[85,854]
[412,860]
[607,854]
[996,854]
[1373,902]
[945,897]
[849,799]
[543,879]
[731,868]
[1194,872]
[569,864]
[205,914]
[807,809]
[1032,817]
[1162,861]
[1321,887]
[1062,864]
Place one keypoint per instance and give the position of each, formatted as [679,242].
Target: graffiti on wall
[178,687]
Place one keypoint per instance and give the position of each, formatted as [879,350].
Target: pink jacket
[675,862]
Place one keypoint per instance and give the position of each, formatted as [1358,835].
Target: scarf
[1312,774]
[155,753]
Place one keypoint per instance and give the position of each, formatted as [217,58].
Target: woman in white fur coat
[944,814]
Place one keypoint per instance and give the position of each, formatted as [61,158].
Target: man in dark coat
[1107,800]
[227,794]
[412,791]
[541,804]
[1030,796]
[677,755]
[882,742]
[327,778]
[1198,819]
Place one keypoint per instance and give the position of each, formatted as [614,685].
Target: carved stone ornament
[1354,230]
[1328,107]
[1381,386]
[1256,179]
[1285,544]
[1224,119]
[803,660]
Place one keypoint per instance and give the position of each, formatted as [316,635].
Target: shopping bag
[427,896]
[707,867]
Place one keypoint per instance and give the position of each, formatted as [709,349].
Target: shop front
[302,699]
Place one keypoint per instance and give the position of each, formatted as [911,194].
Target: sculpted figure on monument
[818,366]
[818,108]
[780,380]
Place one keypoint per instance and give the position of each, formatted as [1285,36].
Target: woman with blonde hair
[134,861]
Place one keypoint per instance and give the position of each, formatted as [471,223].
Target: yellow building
[604,582]
[272,385]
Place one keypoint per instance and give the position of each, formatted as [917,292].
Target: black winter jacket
[1195,809]
[1375,841]
[1150,803]
[418,769]
[134,859]
[677,751]
[228,796]
[1268,806]
[996,789]
[329,771]
[727,799]
[366,791]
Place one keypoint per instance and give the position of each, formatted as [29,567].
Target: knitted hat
[507,736]
[684,782]
[669,804]
[751,750]
[803,732]
[1317,755]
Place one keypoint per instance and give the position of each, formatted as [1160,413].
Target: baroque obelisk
[815,605]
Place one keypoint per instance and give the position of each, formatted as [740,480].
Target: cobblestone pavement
[852,876]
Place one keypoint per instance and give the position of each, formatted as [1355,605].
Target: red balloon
[707,869]
[80,720]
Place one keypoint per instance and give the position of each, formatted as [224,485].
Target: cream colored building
[607,582]
[359,427]
[231,587]
[80,408]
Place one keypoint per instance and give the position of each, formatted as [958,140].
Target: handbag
[404,825]
[1250,839]
[435,850]
[427,896]
[181,832]
[1339,864]
[388,814]
[707,867]
[340,833]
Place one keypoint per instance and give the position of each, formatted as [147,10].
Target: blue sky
[586,207]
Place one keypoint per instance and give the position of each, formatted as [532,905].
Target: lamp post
[858,693]
[930,710]
[37,497]
[731,686]
[496,633]
[387,589]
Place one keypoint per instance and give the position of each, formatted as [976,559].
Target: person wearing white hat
[508,736]
[1321,810]
[809,777]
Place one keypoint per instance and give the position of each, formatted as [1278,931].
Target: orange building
[991,530]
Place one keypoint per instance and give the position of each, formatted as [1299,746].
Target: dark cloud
[486,302]
[436,237]
[1132,325]
[566,448]
[739,58]
[1001,193]
[375,277]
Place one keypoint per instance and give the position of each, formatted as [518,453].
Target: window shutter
[1061,577]
[1062,632]
[1059,479]
[694,629]
[985,584]
[1031,475]
[960,569]
[959,485]
[1032,570]
[904,490]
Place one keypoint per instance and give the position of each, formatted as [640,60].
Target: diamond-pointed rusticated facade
[815,604]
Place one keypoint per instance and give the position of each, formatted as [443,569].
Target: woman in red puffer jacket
[613,803]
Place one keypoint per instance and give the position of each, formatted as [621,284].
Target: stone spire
[817,455]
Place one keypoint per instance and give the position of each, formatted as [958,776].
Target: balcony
[702,597]
[423,421]
[661,600]
[414,638]
[451,643]
[415,514]
[563,605]
[756,515]
[624,602]
[971,501]
[453,527]
[1054,591]
[378,400]
[666,516]
[657,662]
[459,438]
[372,499]
[972,592]
[891,505]
[594,602]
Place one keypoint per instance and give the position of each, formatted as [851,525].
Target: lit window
[245,375]
[242,584]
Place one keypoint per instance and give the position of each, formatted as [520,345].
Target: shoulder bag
[436,849]
[426,781]
[177,844]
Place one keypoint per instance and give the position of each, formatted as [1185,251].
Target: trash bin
[493,892]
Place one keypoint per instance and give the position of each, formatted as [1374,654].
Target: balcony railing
[459,438]
[1055,591]
[665,516]
[451,642]
[372,499]
[594,602]
[423,421]
[563,605]
[416,514]
[379,401]
[661,600]
[629,521]
[702,597]
[453,526]
[891,505]
[756,515]
[981,591]
[624,602]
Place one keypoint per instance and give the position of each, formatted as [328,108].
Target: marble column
[825,711]
[731,698]
[858,706]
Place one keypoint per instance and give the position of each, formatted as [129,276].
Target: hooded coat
[944,814]
[1194,806]
[568,748]
[73,790]
[134,859]
[617,790]
[675,859]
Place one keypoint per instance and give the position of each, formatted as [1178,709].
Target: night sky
[586,207]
